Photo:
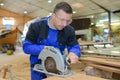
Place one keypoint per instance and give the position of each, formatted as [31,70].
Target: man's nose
[64,23]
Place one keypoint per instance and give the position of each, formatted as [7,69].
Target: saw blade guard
[56,58]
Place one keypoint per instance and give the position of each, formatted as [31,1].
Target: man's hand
[73,58]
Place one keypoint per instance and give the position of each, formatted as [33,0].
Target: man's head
[63,6]
[62,15]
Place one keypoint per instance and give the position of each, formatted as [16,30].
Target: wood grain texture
[77,76]
[101,61]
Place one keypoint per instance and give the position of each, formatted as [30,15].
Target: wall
[19,19]
[19,26]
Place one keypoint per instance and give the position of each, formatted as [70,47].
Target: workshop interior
[97,31]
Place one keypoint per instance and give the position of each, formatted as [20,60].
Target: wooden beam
[101,61]
[105,68]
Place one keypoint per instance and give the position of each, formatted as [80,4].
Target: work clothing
[41,34]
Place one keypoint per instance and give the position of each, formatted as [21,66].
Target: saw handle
[68,63]
[68,60]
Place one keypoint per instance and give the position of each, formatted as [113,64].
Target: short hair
[64,6]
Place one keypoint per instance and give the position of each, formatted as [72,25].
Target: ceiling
[41,8]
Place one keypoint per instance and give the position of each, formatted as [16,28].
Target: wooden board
[115,51]
[2,79]
[101,61]
[77,76]
[105,68]
[110,66]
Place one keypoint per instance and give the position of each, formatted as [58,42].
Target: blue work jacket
[41,34]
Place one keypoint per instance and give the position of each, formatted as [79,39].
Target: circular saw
[53,63]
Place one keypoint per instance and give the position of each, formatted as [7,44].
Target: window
[8,21]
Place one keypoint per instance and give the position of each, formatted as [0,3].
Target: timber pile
[106,66]
[115,51]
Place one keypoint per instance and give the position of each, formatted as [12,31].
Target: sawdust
[20,65]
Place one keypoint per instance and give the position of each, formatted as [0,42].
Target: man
[52,31]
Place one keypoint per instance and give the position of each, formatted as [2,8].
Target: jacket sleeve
[32,49]
[73,45]
[30,45]
[75,49]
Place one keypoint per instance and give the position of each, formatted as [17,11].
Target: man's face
[62,19]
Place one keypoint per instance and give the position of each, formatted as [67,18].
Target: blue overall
[35,49]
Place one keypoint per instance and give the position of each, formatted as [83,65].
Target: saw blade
[50,65]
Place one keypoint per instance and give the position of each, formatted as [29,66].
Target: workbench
[89,44]
[114,51]
[77,76]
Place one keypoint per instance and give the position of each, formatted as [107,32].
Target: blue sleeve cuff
[75,49]
[33,49]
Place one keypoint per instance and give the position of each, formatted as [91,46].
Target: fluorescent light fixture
[92,23]
[77,5]
[49,1]
[25,12]
[1,4]
[49,14]
[74,12]
[92,16]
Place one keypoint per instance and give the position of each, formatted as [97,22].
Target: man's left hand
[73,58]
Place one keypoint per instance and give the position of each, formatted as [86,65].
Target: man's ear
[53,15]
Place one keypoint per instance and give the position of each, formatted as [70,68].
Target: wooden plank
[2,79]
[101,61]
[115,51]
[105,68]
[76,77]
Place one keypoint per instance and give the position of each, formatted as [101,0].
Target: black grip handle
[69,61]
